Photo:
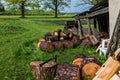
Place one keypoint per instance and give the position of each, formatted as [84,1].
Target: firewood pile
[81,68]
[58,39]
[110,70]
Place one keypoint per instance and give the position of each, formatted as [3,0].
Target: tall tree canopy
[1,7]
[55,5]
[23,3]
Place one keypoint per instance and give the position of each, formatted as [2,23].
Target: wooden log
[107,70]
[47,34]
[40,40]
[57,44]
[67,71]
[57,32]
[85,42]
[67,44]
[93,40]
[46,46]
[76,41]
[52,38]
[44,72]
[89,67]
[78,59]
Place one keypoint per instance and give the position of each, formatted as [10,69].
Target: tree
[23,3]
[1,7]
[55,5]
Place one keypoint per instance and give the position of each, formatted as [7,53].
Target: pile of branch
[58,39]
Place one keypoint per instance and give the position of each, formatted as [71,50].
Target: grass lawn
[18,45]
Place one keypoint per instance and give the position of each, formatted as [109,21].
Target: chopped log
[46,46]
[78,59]
[57,44]
[52,38]
[115,77]
[86,42]
[93,40]
[89,67]
[67,44]
[67,71]
[69,35]
[117,55]
[75,41]
[47,34]
[63,34]
[40,40]
[107,70]
[44,72]
[57,32]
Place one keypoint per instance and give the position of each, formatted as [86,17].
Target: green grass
[18,45]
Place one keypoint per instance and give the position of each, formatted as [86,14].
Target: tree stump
[78,59]
[46,46]
[67,72]
[89,67]
[44,72]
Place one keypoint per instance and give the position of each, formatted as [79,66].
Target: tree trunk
[56,8]
[23,9]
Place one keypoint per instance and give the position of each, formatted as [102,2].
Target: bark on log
[46,46]
[47,34]
[67,72]
[57,32]
[75,41]
[57,44]
[86,42]
[67,44]
[78,59]
[44,72]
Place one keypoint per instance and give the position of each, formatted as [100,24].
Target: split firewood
[52,38]
[117,55]
[108,69]
[46,46]
[67,71]
[78,59]
[44,72]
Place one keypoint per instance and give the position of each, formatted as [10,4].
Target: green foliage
[1,7]
[18,45]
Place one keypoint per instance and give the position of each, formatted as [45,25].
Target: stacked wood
[67,44]
[57,32]
[93,40]
[43,72]
[47,35]
[46,46]
[78,59]
[108,69]
[89,67]
[67,71]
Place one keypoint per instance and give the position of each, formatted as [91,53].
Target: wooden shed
[99,14]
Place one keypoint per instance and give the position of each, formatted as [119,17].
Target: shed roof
[98,9]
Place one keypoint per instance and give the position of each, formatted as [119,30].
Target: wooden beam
[88,24]
[94,13]
[80,28]
[95,25]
